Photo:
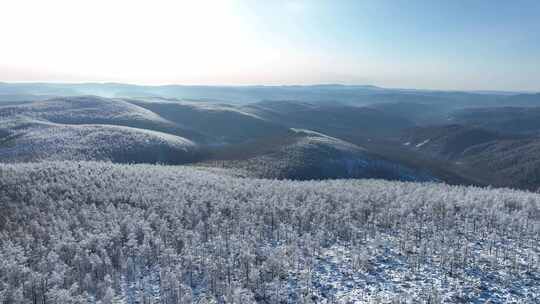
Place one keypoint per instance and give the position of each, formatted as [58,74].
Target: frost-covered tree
[103,233]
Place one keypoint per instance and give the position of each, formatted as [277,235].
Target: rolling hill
[513,120]
[305,155]
[129,130]
[219,123]
[447,141]
[515,162]
[322,93]
[95,110]
[419,113]
[345,122]
[497,159]
[271,138]
[25,140]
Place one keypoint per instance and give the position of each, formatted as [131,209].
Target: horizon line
[369,86]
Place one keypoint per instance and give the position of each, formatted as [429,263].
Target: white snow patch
[423,143]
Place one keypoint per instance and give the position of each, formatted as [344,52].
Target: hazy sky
[446,44]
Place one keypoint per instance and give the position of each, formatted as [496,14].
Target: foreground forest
[95,232]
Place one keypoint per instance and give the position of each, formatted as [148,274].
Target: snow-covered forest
[91,232]
[269,152]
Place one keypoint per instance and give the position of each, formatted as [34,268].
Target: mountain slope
[523,100]
[346,122]
[514,120]
[497,159]
[306,154]
[25,139]
[447,141]
[516,162]
[220,123]
[419,113]
[95,110]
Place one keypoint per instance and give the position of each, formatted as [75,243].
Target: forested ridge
[90,232]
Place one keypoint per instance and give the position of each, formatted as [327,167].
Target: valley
[454,137]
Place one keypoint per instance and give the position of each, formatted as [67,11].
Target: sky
[431,44]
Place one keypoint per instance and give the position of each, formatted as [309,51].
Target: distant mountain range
[355,94]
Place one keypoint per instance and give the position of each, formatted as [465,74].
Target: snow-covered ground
[423,143]
[91,232]
[203,106]
[388,276]
[83,109]
[312,138]
[33,140]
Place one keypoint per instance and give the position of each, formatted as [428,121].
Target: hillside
[94,128]
[345,122]
[496,158]
[305,154]
[219,123]
[26,140]
[516,162]
[447,141]
[523,100]
[86,231]
[394,141]
[516,120]
[419,113]
[95,110]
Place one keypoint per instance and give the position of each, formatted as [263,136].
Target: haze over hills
[252,126]
[508,119]
[335,119]
[355,94]
[93,110]
[219,123]
[448,141]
